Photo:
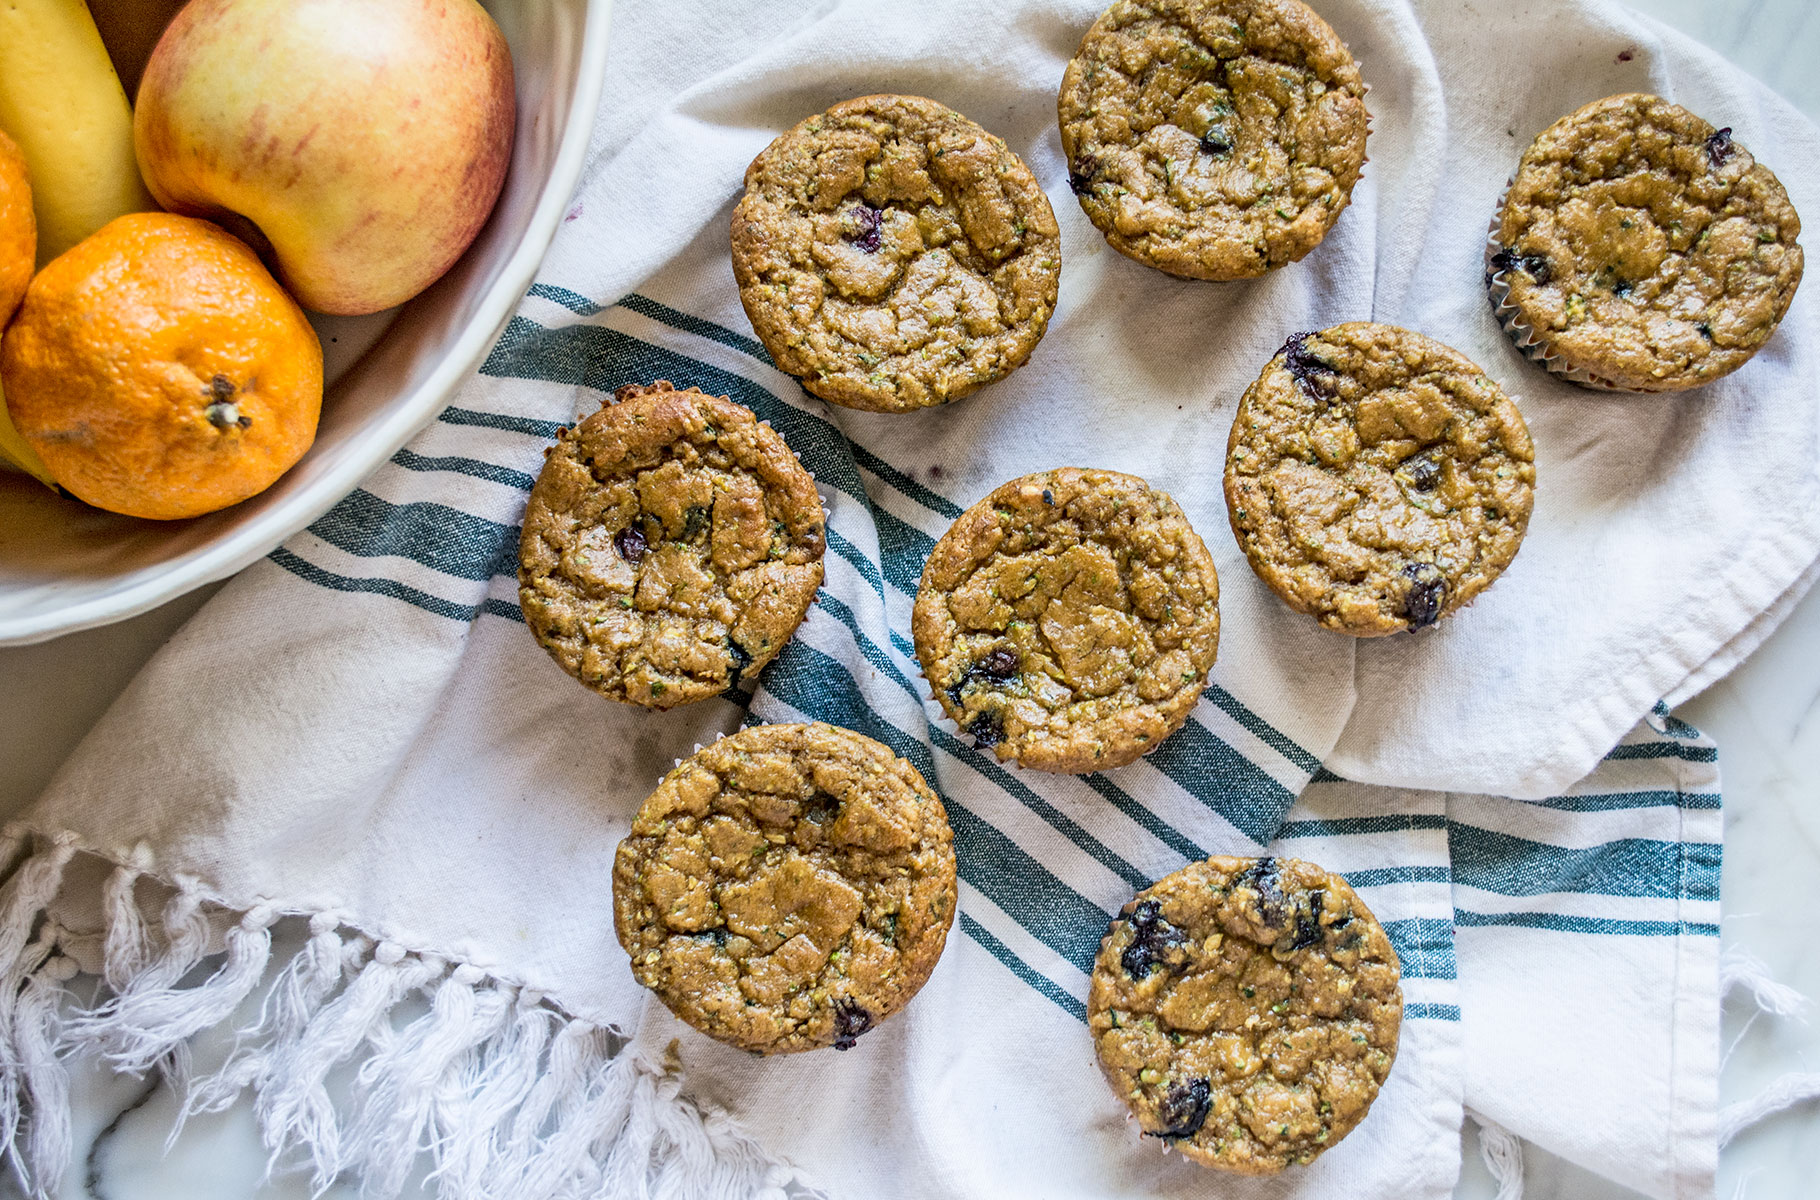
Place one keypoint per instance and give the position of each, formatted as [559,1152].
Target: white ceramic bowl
[65,566]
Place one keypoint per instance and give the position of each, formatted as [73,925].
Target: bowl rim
[247,544]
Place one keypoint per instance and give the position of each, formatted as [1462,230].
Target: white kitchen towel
[1586,929]
[360,732]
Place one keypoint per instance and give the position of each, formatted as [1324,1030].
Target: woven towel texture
[361,729]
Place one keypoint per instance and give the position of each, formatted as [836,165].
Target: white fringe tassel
[1740,970]
[511,1098]
[1502,1151]
[1786,1091]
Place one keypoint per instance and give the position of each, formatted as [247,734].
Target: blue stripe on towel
[1514,866]
[1580,923]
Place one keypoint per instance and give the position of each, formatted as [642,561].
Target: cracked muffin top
[1377,479]
[893,255]
[1213,139]
[1068,620]
[786,888]
[1645,248]
[671,546]
[1247,1010]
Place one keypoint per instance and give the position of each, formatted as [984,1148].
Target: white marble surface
[1765,717]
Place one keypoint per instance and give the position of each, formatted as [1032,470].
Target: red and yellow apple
[363,141]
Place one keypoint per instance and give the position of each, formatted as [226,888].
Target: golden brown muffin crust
[1213,139]
[786,888]
[1069,619]
[894,255]
[671,546]
[1247,1010]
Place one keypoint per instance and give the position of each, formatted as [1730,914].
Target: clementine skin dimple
[160,371]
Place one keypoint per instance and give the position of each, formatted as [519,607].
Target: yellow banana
[61,101]
[15,450]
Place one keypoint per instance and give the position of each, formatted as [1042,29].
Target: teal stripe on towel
[1021,969]
[1514,866]
[664,314]
[1615,801]
[1698,754]
[529,426]
[1261,729]
[1577,923]
[1224,780]
[444,539]
[391,588]
[575,302]
[1424,947]
[1431,1012]
[1386,876]
[410,460]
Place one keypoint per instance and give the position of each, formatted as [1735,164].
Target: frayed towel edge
[508,1094]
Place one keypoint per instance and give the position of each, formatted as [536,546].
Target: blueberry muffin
[1377,479]
[893,255]
[1068,620]
[1639,249]
[1247,1010]
[1213,139]
[671,546]
[786,888]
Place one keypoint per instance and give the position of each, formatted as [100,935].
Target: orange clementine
[160,371]
[18,228]
[18,252]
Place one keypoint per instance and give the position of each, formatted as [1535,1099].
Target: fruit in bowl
[18,228]
[18,249]
[62,104]
[363,143]
[66,565]
[158,370]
